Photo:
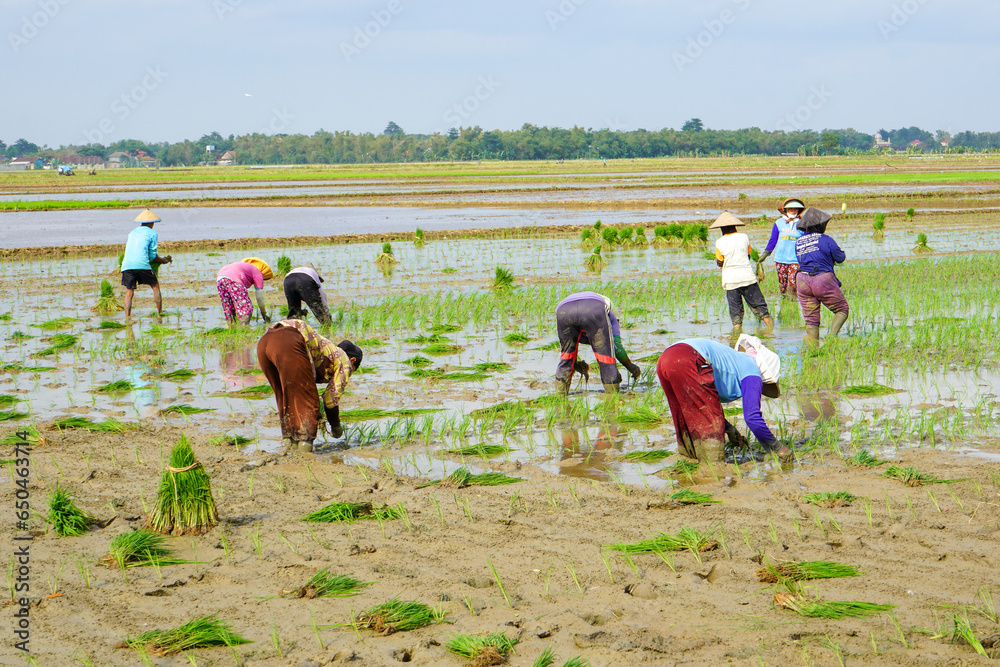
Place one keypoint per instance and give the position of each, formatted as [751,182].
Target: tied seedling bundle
[483,651]
[687,539]
[398,616]
[879,227]
[418,238]
[204,632]
[922,246]
[184,502]
[689,497]
[503,279]
[66,518]
[596,262]
[913,477]
[284,265]
[326,585]
[817,608]
[107,303]
[385,258]
[804,571]
[640,237]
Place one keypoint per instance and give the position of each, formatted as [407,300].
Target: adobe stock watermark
[364,34]
[223,7]
[714,28]
[279,121]
[796,120]
[32,24]
[562,12]
[900,16]
[123,105]
[463,109]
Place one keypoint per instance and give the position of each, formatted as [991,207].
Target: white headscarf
[767,361]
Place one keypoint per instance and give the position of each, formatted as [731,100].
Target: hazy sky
[101,70]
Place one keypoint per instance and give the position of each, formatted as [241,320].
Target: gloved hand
[337,431]
[266,318]
[581,367]
[736,439]
[634,370]
[762,256]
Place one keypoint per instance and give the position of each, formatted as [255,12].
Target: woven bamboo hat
[727,219]
[147,216]
[261,265]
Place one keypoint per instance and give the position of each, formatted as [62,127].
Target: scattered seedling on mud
[962,632]
[116,387]
[204,632]
[324,584]
[463,477]
[689,497]
[863,459]
[56,343]
[489,650]
[830,498]
[66,518]
[483,450]
[496,577]
[351,512]
[687,539]
[140,548]
[913,477]
[398,616]
[233,440]
[184,502]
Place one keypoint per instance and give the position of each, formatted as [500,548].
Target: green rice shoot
[483,451]
[830,498]
[184,502]
[815,608]
[66,519]
[256,391]
[805,571]
[351,512]
[140,548]
[106,426]
[689,497]
[503,279]
[648,456]
[913,477]
[641,416]
[462,477]
[107,302]
[398,616]
[204,632]
[57,342]
[868,390]
[491,649]
[687,539]
[682,467]
[323,584]
[231,440]
[184,409]
[516,338]
[111,326]
[177,375]
[417,361]
[116,387]
[58,323]
[863,459]
[962,632]
[11,415]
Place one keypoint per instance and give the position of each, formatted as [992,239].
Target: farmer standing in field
[295,359]
[233,281]
[304,284]
[818,284]
[699,375]
[784,234]
[588,317]
[732,253]
[140,257]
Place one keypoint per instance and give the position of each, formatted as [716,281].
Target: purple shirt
[242,273]
[817,253]
[585,296]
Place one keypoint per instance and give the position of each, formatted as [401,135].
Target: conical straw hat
[147,216]
[727,219]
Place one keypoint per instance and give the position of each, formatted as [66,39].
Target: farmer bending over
[588,317]
[295,359]
[699,375]
[817,253]
[233,281]
[305,285]
[784,234]
[140,257]
[732,253]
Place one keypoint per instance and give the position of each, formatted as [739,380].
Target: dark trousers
[754,298]
[286,363]
[299,288]
[689,384]
[585,321]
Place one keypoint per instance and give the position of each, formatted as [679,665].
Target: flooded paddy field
[459,375]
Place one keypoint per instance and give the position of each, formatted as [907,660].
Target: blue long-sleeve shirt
[784,234]
[140,248]
[736,376]
[817,253]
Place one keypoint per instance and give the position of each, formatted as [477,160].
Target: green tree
[693,125]
[830,141]
[23,147]
[393,130]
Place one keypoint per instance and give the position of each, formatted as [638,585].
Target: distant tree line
[527,143]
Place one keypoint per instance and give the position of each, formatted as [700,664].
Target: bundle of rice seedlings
[483,651]
[503,279]
[441,349]
[184,409]
[160,330]
[625,236]
[962,632]
[107,303]
[868,390]
[804,571]
[233,440]
[463,477]
[482,451]
[138,549]
[682,467]
[689,497]
[863,459]
[913,477]
[879,226]
[204,632]
[177,375]
[640,239]
[922,246]
[116,387]
[609,235]
[660,235]
[184,502]
[830,498]
[649,456]
[911,213]
[642,416]
[586,237]
[418,238]
[516,338]
[11,415]
[417,361]
[106,426]
[816,608]
[256,391]
[58,323]
[443,329]
[283,265]
[9,399]
[351,512]
[385,258]
[548,659]
[29,433]
[490,366]
[107,324]
[398,616]
[326,585]
[56,343]
[14,367]
[595,261]
[66,518]
[687,539]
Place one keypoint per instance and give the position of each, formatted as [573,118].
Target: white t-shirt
[733,250]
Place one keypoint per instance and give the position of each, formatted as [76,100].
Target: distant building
[916,144]
[226,159]
[119,159]
[17,164]
[946,143]
[882,142]
[84,161]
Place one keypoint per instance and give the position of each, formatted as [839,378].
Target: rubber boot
[838,321]
[712,451]
[562,388]
[812,333]
[612,388]
[303,446]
